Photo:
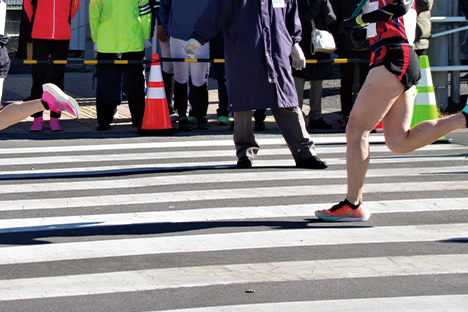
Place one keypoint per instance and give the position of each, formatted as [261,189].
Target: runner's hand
[347,24]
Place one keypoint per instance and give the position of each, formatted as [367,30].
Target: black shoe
[259,126]
[244,162]
[184,125]
[102,127]
[203,124]
[171,110]
[319,124]
[313,162]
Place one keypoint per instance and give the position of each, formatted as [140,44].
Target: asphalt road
[135,223]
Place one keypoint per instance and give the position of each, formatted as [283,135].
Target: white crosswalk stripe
[124,223]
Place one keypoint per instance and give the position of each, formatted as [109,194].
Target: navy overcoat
[258,37]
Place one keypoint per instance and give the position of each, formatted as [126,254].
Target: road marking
[200,276]
[219,214]
[229,177]
[168,144]
[453,303]
[64,159]
[224,194]
[155,165]
[308,236]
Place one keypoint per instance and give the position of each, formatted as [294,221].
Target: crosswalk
[171,225]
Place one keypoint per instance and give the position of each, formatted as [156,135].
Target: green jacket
[120,26]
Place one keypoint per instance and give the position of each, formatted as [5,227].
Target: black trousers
[109,87]
[45,73]
[217,52]
[353,76]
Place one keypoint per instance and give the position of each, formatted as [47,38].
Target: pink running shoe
[54,124]
[58,101]
[343,212]
[37,124]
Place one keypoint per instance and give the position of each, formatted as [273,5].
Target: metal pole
[449,68]
[448,32]
[455,75]
[439,54]
[448,19]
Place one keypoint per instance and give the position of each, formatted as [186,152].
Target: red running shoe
[344,213]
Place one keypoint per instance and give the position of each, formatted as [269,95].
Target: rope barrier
[187,60]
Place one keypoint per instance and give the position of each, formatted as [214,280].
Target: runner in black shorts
[386,95]
[400,60]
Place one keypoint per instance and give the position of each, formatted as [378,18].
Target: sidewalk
[79,86]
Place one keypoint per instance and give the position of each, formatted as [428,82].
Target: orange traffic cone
[156,120]
[379,127]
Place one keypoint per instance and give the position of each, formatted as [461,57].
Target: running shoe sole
[363,218]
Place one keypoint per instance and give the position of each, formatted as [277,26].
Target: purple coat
[257,44]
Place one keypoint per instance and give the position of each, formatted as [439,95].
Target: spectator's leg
[136,91]
[167,73]
[108,89]
[299,84]
[346,89]
[244,138]
[292,126]
[41,52]
[181,77]
[199,78]
[59,51]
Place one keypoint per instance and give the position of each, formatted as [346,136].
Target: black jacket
[343,9]
[322,13]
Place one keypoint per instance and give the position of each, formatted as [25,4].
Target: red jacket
[51,18]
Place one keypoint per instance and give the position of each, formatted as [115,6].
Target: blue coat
[178,16]
[257,45]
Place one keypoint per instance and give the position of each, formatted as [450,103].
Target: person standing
[260,37]
[319,12]
[119,29]
[423,26]
[51,33]
[178,18]
[217,52]
[167,70]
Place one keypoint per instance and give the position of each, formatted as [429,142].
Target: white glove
[147,44]
[190,47]
[95,52]
[298,58]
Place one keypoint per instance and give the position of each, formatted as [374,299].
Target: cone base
[443,140]
[167,131]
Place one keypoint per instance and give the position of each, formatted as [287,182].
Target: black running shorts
[399,59]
